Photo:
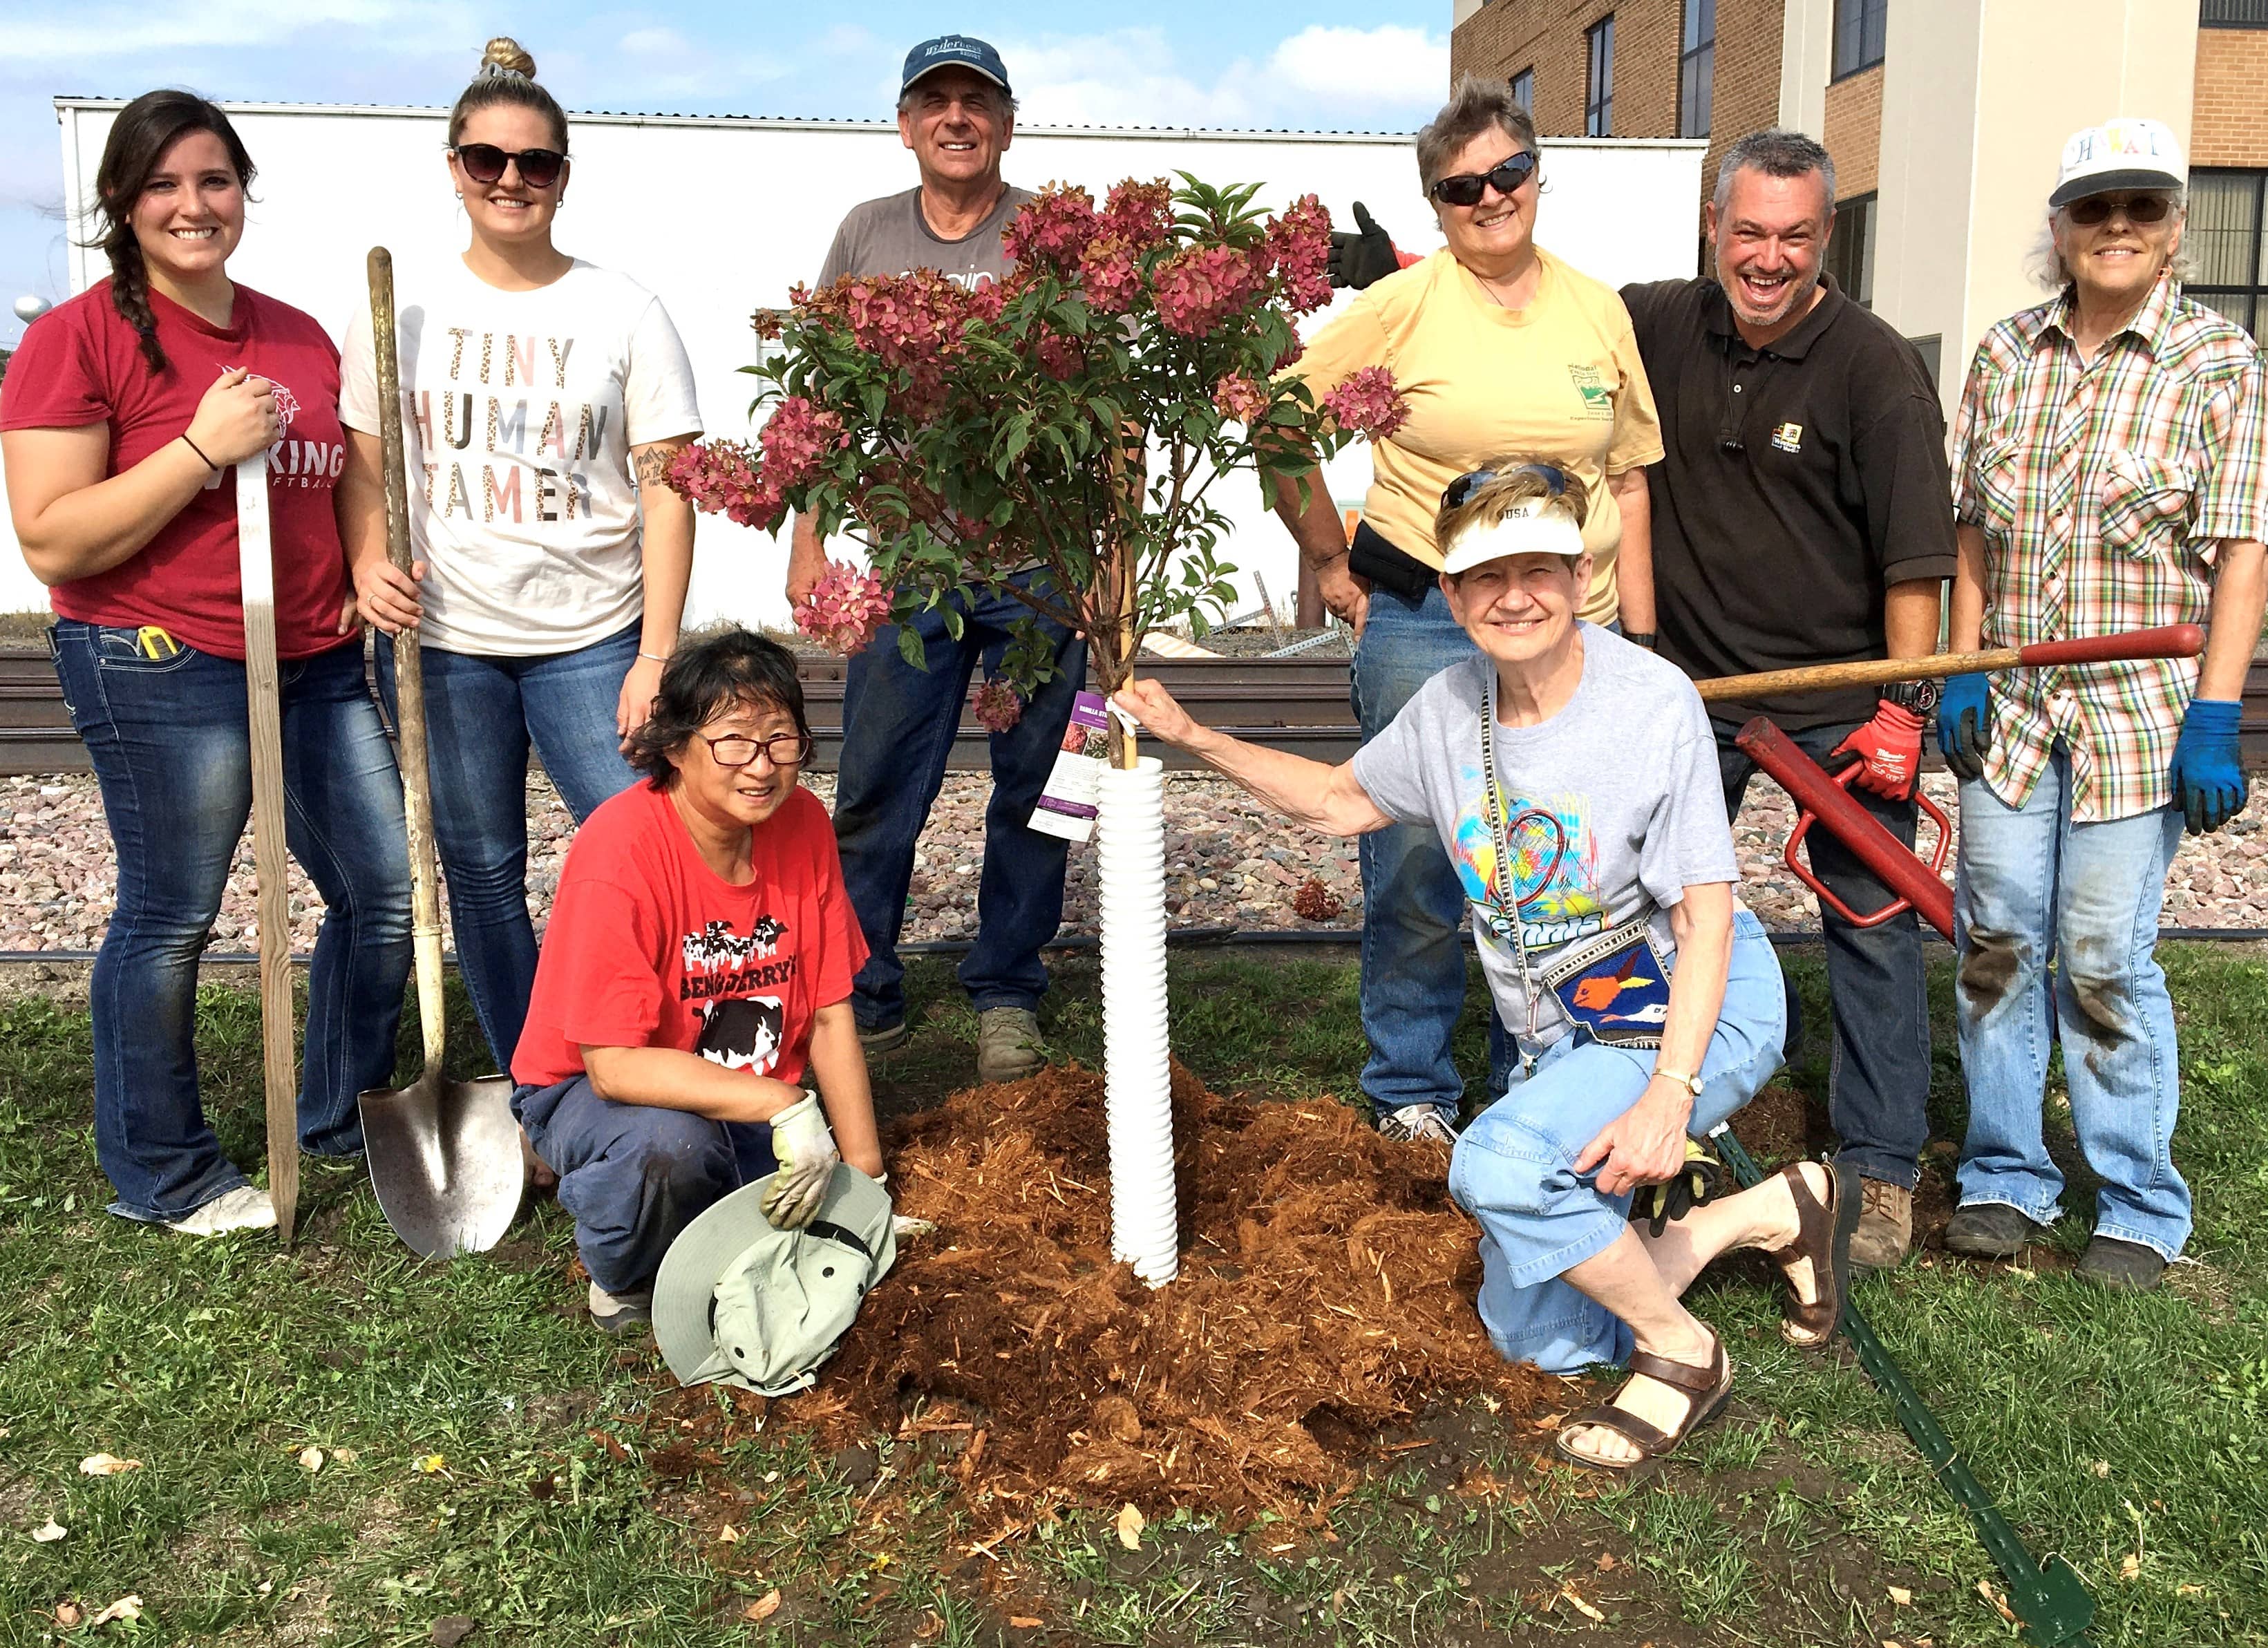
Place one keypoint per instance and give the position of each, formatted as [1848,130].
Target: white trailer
[719,216]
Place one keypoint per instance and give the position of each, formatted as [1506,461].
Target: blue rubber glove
[1964,724]
[2208,775]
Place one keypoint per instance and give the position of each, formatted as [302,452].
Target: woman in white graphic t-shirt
[543,399]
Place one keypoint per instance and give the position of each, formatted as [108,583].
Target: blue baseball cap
[947,51]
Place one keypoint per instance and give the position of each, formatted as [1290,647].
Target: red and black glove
[1888,748]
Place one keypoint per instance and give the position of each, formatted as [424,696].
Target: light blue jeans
[1513,1168]
[2035,886]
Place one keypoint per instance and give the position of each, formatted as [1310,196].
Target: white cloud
[1390,64]
[100,33]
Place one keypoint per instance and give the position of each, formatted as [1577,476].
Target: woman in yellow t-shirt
[1496,346]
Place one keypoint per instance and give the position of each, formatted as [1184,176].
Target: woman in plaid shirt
[2111,467]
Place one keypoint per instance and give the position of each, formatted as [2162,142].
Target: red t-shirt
[648,946]
[81,364]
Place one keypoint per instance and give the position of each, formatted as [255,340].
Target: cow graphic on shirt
[742,1033]
[718,948]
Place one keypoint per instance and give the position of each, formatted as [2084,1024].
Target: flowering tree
[1074,417]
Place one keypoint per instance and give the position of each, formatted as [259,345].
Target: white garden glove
[805,1149]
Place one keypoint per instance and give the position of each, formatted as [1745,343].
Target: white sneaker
[1417,1124]
[245,1208]
[614,1311]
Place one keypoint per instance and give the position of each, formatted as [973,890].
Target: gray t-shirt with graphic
[1613,807]
[890,236]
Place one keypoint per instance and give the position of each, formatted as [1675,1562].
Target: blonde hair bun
[509,55]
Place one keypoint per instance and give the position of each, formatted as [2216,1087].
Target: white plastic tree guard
[1137,1072]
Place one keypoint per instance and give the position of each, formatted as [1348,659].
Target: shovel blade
[446,1162]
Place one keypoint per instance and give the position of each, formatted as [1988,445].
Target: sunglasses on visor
[2141,209]
[484,163]
[1473,480]
[1465,188]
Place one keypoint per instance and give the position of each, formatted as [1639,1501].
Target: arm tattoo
[653,463]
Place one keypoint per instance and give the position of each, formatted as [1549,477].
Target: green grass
[2108,1428]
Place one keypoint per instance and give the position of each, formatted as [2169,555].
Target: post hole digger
[445,1156]
[2049,1598]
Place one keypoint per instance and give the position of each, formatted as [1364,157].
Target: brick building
[1945,118]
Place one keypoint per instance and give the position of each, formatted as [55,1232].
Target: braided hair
[145,129]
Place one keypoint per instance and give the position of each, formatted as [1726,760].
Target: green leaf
[909,648]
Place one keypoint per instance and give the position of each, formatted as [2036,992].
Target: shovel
[445,1156]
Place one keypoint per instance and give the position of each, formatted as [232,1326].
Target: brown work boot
[1885,1225]
[1008,1044]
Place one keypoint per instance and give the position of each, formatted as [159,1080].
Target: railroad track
[1296,703]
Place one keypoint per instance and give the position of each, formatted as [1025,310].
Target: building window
[1860,27]
[1850,249]
[1696,67]
[2227,238]
[2234,14]
[1523,90]
[1599,84]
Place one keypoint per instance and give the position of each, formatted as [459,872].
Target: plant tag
[1066,806]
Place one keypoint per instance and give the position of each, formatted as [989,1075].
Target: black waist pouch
[1370,556]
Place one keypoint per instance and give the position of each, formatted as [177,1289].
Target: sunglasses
[2141,209]
[783,749]
[1465,188]
[484,163]
[1473,480]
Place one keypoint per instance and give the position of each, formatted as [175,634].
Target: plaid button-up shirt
[2104,488]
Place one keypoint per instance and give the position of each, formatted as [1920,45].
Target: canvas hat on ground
[948,51]
[1531,526]
[2120,154]
[743,1303]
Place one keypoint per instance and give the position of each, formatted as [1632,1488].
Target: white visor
[1528,528]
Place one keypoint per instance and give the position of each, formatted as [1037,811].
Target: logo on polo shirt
[1788,437]
[1598,398]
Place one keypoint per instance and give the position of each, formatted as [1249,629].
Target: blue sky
[1382,65]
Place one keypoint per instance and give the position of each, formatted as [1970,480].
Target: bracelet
[659,657]
[1639,638]
[1691,1084]
[200,452]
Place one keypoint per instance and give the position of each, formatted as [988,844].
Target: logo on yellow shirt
[1598,395]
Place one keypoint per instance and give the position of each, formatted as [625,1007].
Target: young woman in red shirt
[122,416]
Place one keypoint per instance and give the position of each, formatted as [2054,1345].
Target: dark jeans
[482,715]
[172,750]
[1878,1064]
[898,725]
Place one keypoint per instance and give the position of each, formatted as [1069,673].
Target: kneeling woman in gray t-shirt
[1647,1004]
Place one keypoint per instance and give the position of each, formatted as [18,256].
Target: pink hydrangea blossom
[1059,357]
[1200,287]
[722,478]
[844,609]
[1367,403]
[996,706]
[1140,214]
[797,439]
[1241,398]
[1299,241]
[1052,228]
[1109,276]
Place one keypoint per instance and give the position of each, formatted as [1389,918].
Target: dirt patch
[1325,1296]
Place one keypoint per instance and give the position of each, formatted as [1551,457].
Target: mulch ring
[1325,1297]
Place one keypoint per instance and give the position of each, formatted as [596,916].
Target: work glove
[1365,255]
[1888,748]
[1964,724]
[1658,1206]
[804,1149]
[2208,777]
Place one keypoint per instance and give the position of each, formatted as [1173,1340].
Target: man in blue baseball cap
[956,113]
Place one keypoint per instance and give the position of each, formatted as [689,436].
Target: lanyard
[1507,883]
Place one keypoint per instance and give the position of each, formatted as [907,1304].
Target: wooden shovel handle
[2172,641]
[408,675]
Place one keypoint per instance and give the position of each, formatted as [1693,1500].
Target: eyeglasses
[1465,188]
[1473,480]
[2141,209]
[783,749]
[484,163]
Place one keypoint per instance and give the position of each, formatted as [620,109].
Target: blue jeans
[172,750]
[1513,1168]
[1878,1061]
[633,1176]
[2035,885]
[898,725]
[1414,913]
[481,714]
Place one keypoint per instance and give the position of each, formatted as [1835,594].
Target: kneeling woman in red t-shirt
[124,412]
[698,965]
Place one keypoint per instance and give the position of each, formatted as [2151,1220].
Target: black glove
[1659,1205]
[1364,256]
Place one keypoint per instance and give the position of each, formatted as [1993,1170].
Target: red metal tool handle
[2180,640]
[1896,906]
[1819,797]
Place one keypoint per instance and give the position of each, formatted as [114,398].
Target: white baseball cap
[2120,154]
[1529,526]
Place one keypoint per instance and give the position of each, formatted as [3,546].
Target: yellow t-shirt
[1558,380]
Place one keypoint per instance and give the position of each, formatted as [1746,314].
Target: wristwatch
[1691,1084]
[1918,696]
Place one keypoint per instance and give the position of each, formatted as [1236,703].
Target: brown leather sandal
[1823,1238]
[1707,1389]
